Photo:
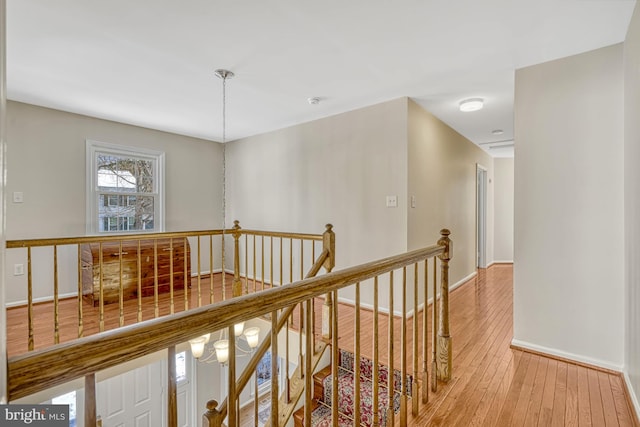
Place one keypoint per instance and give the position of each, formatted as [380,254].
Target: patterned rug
[346,392]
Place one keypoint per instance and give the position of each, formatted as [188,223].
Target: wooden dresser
[111,268]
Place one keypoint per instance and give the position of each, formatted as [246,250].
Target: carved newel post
[213,417]
[444,339]
[237,283]
[328,244]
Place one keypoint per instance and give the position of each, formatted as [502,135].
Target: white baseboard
[566,355]
[410,312]
[41,299]
[632,394]
[506,261]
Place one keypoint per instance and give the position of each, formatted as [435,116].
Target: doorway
[481,216]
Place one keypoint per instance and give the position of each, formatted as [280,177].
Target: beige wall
[503,210]
[442,177]
[46,161]
[632,204]
[569,258]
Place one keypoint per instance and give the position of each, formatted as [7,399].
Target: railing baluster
[301,259]
[290,260]
[403,352]
[376,374]
[255,269]
[335,355]
[156,309]
[101,286]
[120,286]
[30,299]
[425,335]
[271,261]
[199,280]
[90,411]
[56,308]
[274,370]
[434,330]
[187,278]
[224,271]
[356,357]
[414,388]
[256,402]
[262,261]
[233,404]
[237,282]
[139,261]
[390,387]
[172,388]
[80,268]
[211,268]
[171,253]
[287,382]
[281,278]
[246,263]
[300,323]
[308,387]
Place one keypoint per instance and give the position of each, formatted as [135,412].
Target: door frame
[481,216]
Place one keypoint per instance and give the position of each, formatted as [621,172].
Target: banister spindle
[403,352]
[425,335]
[56,307]
[120,285]
[80,319]
[156,309]
[90,411]
[444,339]
[274,369]
[172,388]
[356,357]
[101,285]
[390,385]
[237,283]
[328,244]
[211,268]
[375,373]
[232,399]
[171,255]
[416,382]
[139,261]
[187,279]
[30,298]
[199,275]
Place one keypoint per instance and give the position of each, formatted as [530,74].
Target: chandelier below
[220,351]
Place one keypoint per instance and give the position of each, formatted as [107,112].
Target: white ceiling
[151,62]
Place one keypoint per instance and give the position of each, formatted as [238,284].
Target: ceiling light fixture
[471,104]
[497,132]
[313,100]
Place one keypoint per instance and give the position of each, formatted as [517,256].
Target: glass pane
[123,213]
[181,367]
[68,399]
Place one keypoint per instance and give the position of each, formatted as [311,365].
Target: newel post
[444,339]
[328,244]
[237,283]
[213,417]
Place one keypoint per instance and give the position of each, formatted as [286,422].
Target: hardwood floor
[492,384]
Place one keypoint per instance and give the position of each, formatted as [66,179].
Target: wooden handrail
[266,343]
[61,363]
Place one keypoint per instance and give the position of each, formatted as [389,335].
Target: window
[124,189]
[68,399]
[181,367]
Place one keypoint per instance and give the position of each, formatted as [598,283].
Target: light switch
[18,197]
[413,201]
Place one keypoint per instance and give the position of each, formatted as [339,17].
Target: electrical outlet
[392,201]
[18,269]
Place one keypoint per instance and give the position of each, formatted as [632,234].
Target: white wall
[442,177]
[632,204]
[46,161]
[569,258]
[335,170]
[503,210]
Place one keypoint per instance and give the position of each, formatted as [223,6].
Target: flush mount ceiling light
[471,104]
[497,132]
[313,100]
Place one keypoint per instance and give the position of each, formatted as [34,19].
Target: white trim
[500,262]
[410,312]
[632,393]
[41,299]
[565,355]
[91,185]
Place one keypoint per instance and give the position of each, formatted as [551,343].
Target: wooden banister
[64,362]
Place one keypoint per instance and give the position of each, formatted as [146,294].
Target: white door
[481,216]
[133,399]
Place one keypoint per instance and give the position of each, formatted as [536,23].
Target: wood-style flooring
[492,384]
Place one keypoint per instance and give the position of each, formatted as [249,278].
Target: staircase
[323,385]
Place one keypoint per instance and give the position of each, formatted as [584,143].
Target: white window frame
[93,195]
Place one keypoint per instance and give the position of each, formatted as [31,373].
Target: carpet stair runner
[323,385]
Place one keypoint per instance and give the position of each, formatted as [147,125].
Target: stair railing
[398,381]
[214,416]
